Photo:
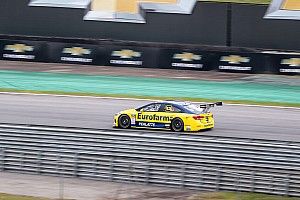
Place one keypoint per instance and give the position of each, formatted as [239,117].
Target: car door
[149,116]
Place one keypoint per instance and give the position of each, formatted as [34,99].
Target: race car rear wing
[208,106]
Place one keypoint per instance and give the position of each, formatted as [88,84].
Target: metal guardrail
[185,160]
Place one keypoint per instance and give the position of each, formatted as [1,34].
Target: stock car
[171,115]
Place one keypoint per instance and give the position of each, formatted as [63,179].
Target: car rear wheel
[177,125]
[124,121]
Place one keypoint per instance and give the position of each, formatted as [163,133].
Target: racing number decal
[133,119]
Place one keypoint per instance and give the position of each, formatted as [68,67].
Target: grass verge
[239,196]
[19,197]
[262,103]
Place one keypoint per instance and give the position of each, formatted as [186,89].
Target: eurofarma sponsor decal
[187,60]
[126,57]
[19,51]
[290,65]
[77,54]
[235,62]
[153,117]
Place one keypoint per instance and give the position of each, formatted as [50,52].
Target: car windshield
[195,109]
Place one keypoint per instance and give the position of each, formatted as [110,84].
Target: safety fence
[176,160]
[151,56]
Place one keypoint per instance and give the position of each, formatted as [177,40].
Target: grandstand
[121,10]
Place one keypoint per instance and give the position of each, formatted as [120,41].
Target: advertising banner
[131,56]
[285,64]
[74,53]
[22,50]
[185,59]
[239,62]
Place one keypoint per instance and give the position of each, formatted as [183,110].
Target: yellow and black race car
[173,115]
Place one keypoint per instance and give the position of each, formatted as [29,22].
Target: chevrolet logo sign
[292,62]
[185,56]
[126,53]
[18,48]
[235,59]
[120,10]
[77,51]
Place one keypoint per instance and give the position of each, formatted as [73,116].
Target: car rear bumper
[199,126]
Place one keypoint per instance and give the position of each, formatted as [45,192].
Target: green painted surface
[150,87]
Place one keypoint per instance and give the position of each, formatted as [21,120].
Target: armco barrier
[185,160]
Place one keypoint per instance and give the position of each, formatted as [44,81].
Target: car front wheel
[124,121]
[177,125]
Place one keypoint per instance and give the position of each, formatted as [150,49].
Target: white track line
[136,99]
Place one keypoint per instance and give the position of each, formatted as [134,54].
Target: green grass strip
[153,88]
[19,197]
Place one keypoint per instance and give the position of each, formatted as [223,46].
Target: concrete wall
[207,26]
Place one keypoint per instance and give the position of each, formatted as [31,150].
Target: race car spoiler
[220,103]
[208,106]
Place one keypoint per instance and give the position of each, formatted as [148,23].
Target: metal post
[238,194]
[111,171]
[218,179]
[253,181]
[287,185]
[183,175]
[200,175]
[75,165]
[147,172]
[2,159]
[39,162]
[229,25]
[61,178]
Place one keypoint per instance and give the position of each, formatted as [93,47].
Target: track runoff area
[259,122]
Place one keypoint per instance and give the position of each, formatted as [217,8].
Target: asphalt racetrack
[231,120]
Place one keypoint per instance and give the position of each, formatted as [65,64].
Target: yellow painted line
[291,5]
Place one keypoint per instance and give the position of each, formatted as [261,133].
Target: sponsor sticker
[19,51]
[290,65]
[76,54]
[153,117]
[187,60]
[235,63]
[126,57]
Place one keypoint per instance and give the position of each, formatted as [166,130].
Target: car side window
[171,108]
[152,107]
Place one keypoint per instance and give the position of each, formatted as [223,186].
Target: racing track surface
[237,121]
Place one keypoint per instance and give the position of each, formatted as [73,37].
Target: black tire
[124,121]
[177,125]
